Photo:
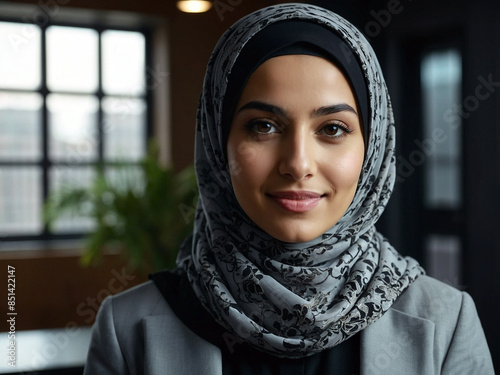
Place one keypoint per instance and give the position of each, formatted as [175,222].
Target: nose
[297,156]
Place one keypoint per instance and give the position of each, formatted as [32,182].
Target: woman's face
[295,147]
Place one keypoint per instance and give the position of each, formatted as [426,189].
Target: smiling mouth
[297,201]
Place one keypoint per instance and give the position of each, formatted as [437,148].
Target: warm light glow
[194,6]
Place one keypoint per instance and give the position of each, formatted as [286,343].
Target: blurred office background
[86,82]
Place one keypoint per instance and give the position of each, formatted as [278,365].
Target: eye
[262,126]
[334,130]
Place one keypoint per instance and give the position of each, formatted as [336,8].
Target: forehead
[308,77]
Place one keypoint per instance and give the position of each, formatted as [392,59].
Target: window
[71,97]
[441,81]
[441,73]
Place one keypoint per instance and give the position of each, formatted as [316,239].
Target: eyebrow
[261,106]
[335,108]
[321,111]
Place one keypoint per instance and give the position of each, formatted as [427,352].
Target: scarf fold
[293,299]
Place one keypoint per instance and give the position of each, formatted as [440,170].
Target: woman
[285,271]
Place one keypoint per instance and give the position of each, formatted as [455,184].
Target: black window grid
[45,163]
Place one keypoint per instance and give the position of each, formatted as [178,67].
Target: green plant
[147,221]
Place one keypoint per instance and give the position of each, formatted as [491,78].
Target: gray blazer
[431,329]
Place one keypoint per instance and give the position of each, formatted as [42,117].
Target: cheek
[248,164]
[345,172]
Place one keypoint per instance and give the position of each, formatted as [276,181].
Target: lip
[297,201]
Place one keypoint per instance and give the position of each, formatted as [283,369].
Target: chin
[292,236]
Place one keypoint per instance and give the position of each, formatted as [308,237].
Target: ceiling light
[194,6]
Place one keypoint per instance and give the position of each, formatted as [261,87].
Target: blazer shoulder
[142,300]
[117,345]
[460,345]
[128,309]
[437,306]
[432,328]
[430,299]
[137,332]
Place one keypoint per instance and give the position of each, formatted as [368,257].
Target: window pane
[444,258]
[20,201]
[441,174]
[127,177]
[20,56]
[20,129]
[72,59]
[441,74]
[73,127]
[123,59]
[64,178]
[124,128]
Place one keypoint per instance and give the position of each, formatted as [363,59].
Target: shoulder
[438,303]
[457,335]
[136,303]
[433,327]
[123,314]
[145,297]
[431,299]
[117,345]
[137,332]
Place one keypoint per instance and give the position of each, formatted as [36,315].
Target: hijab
[293,299]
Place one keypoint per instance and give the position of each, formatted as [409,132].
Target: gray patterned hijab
[293,299]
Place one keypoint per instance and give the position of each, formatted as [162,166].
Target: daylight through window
[71,98]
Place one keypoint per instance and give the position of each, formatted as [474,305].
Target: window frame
[45,164]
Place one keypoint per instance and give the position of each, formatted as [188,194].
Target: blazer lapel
[397,344]
[171,348]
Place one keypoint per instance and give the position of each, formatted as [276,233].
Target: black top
[237,356]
